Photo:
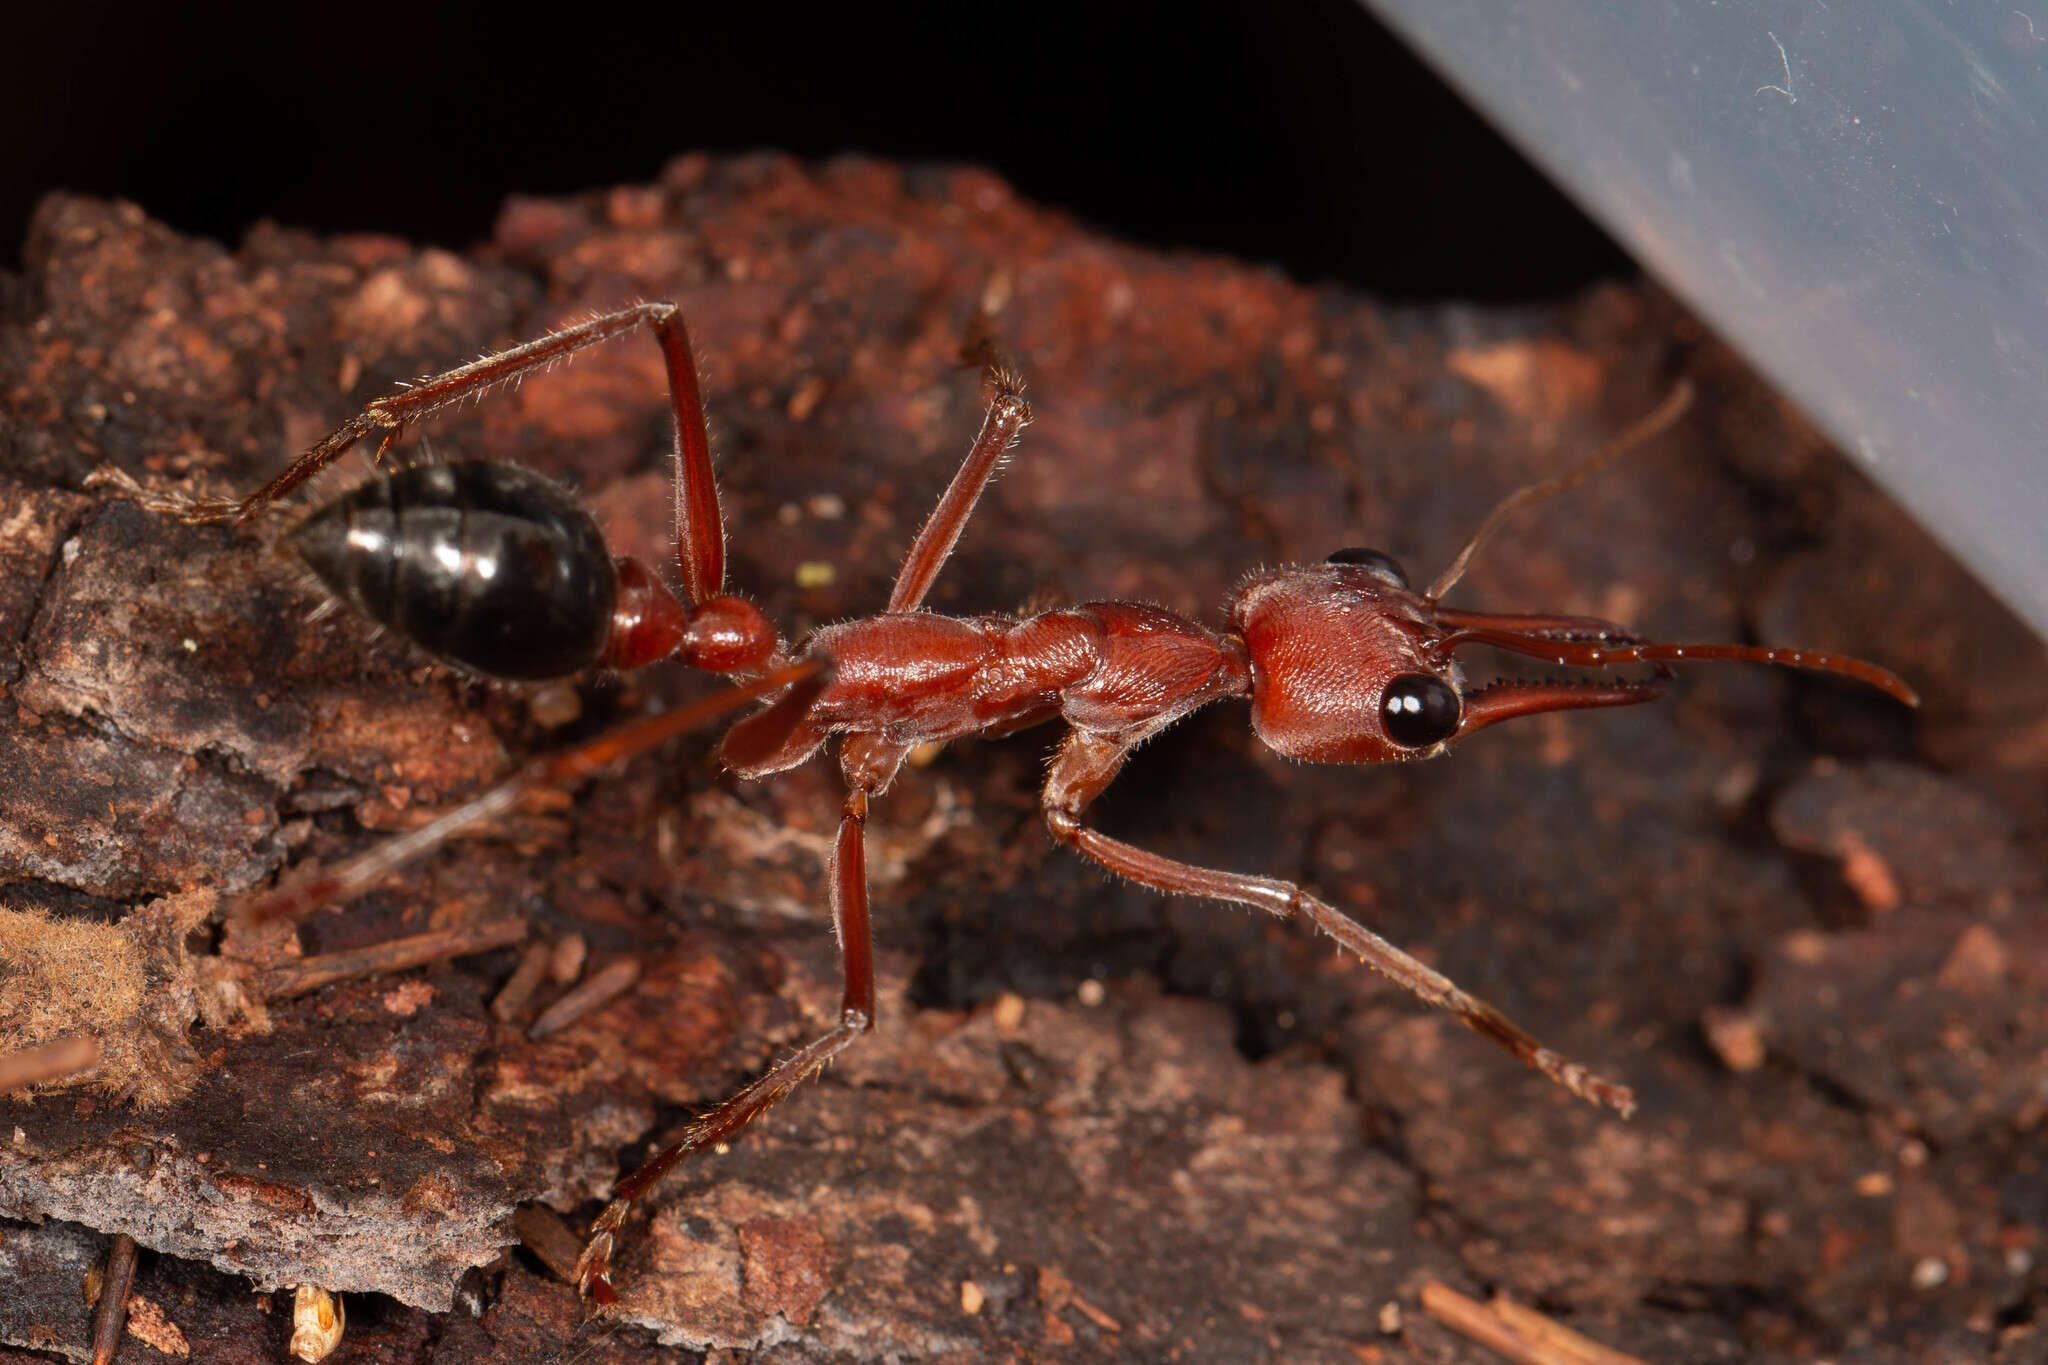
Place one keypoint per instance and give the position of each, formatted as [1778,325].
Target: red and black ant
[499,572]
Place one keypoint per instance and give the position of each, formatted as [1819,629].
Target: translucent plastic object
[1855,193]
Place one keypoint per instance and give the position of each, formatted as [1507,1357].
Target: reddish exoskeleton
[500,573]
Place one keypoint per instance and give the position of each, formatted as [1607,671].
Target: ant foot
[594,1270]
[1596,1090]
[187,509]
[594,1266]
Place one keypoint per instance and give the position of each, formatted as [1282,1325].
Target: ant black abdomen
[486,566]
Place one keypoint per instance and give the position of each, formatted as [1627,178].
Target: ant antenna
[1669,411]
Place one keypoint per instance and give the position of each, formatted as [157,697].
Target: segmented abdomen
[486,566]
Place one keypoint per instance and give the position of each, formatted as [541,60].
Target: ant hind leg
[293,898]
[699,525]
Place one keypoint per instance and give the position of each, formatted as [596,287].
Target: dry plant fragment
[542,1232]
[131,984]
[310,974]
[55,1061]
[1737,1035]
[1517,1332]
[566,962]
[148,1325]
[509,1005]
[317,1323]
[600,990]
[110,1313]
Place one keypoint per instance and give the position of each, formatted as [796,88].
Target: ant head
[1341,668]
[1349,665]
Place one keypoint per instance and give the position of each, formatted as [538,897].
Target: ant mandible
[499,572]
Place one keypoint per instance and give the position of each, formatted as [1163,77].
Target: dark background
[1299,133]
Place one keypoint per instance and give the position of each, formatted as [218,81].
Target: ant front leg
[1088,763]
[869,764]
[1008,414]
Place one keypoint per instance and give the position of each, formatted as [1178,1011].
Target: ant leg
[869,765]
[393,413]
[1087,763]
[292,900]
[1007,415]
[700,530]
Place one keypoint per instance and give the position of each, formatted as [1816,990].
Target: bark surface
[1807,927]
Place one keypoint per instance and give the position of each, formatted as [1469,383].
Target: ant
[500,573]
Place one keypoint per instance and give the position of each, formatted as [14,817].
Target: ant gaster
[499,572]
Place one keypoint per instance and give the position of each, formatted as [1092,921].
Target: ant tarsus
[499,573]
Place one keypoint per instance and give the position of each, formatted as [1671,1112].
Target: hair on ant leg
[501,573]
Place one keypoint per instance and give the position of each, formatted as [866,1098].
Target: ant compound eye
[1379,563]
[1419,710]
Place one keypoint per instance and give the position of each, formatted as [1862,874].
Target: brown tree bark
[1806,927]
